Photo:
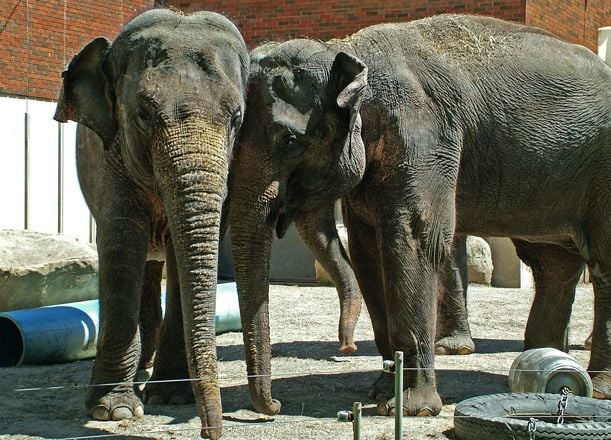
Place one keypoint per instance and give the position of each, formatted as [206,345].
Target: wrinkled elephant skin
[429,131]
[166,98]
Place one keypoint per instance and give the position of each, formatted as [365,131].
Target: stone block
[479,261]
[38,269]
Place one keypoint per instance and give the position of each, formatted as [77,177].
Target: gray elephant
[437,128]
[316,228]
[166,98]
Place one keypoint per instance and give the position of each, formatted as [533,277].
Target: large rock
[45,269]
[479,260]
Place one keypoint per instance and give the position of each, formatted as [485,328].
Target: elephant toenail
[100,413]
[425,412]
[121,413]
[464,350]
[441,351]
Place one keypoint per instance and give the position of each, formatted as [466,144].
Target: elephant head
[167,98]
[300,146]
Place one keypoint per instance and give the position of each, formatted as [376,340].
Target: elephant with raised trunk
[166,98]
[429,131]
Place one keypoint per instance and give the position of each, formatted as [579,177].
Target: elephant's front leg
[453,332]
[122,248]
[365,257]
[410,273]
[318,231]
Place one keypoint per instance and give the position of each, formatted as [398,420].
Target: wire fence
[354,415]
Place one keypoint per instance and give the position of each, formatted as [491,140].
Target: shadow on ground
[300,349]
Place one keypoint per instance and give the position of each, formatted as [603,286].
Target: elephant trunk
[251,241]
[190,161]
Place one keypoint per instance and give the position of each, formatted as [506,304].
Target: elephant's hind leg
[170,381]
[453,335]
[556,272]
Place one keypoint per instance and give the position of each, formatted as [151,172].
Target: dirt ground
[311,379]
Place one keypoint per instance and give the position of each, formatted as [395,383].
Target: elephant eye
[290,139]
[236,119]
[291,147]
[143,119]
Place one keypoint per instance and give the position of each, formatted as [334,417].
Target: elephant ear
[86,94]
[348,82]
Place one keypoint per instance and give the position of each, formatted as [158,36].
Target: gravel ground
[311,379]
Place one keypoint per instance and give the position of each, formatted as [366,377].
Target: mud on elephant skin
[442,126]
[166,98]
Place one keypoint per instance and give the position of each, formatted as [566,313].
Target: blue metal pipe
[69,332]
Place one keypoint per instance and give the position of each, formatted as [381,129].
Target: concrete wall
[54,199]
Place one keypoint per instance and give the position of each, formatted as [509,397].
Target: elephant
[429,131]
[327,248]
[166,98]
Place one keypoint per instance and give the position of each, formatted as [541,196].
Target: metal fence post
[398,395]
[357,410]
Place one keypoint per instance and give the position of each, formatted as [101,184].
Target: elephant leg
[410,290]
[365,259]
[453,332]
[599,265]
[122,249]
[171,359]
[556,273]
[318,231]
[150,317]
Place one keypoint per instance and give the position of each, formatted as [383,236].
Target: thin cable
[252,376]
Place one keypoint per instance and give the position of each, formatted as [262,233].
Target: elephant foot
[423,401]
[168,393]
[601,385]
[114,405]
[347,323]
[347,347]
[460,344]
[271,409]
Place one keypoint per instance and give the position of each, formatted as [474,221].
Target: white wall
[44,171]
[604,44]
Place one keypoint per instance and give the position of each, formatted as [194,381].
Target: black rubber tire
[495,416]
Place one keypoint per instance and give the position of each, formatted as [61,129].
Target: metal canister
[548,370]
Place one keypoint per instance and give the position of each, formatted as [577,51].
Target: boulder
[479,260]
[38,269]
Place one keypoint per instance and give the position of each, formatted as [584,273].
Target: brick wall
[576,21]
[38,38]
[265,20]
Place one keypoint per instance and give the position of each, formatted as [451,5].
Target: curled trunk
[191,169]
